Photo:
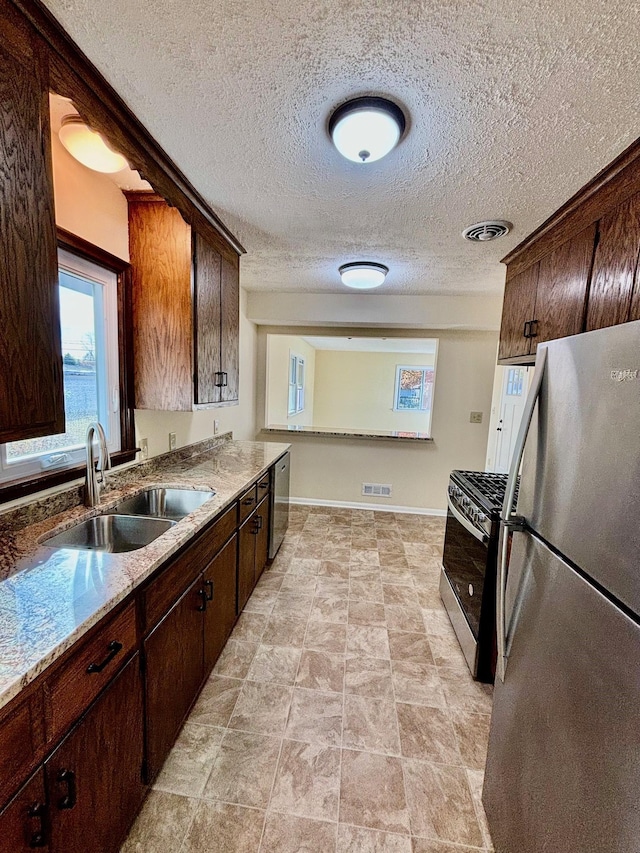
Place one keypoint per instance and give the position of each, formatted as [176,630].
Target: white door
[512,400]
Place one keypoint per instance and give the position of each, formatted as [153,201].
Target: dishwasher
[279,503]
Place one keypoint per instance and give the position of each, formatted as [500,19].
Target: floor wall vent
[378,490]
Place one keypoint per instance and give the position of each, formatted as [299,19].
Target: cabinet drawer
[263,486]
[21,742]
[172,581]
[83,675]
[248,502]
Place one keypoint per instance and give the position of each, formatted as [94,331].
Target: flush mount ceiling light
[365,129]
[363,275]
[88,146]
[482,232]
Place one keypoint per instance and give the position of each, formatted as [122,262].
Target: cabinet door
[262,536]
[230,329]
[247,559]
[220,587]
[160,251]
[206,291]
[94,778]
[517,309]
[615,266]
[562,288]
[173,671]
[31,392]
[24,823]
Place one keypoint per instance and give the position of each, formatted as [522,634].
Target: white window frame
[108,376]
[396,394]
[295,387]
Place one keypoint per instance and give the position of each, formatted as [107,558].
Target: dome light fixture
[89,147]
[366,129]
[363,275]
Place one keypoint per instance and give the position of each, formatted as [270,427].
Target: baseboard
[410,510]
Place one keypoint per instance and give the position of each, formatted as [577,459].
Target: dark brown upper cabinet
[31,390]
[185,297]
[563,281]
[518,310]
[546,300]
[614,282]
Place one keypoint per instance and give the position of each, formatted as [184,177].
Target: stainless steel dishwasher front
[279,503]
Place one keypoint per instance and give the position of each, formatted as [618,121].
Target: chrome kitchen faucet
[95,478]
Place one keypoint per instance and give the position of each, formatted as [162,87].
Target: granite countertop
[336,432]
[51,597]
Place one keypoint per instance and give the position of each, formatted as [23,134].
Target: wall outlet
[172,441]
[144,448]
[475,418]
[216,427]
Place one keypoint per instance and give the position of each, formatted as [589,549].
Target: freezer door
[580,485]
[563,767]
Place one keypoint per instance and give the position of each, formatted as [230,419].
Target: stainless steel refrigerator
[563,768]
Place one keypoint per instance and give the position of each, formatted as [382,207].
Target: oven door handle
[510,523]
[478,534]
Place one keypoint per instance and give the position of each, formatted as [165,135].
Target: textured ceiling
[513,106]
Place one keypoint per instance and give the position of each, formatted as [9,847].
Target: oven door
[464,561]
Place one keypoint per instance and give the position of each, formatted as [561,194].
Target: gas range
[479,496]
[467,584]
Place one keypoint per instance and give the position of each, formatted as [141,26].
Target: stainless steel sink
[164,503]
[112,533]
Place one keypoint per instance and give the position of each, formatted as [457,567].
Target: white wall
[196,426]
[370,310]
[88,203]
[278,348]
[355,390]
[335,468]
[91,206]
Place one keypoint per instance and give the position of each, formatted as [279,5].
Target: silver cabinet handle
[509,522]
[479,535]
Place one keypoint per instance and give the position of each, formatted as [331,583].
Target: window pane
[80,369]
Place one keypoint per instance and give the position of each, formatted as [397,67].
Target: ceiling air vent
[482,232]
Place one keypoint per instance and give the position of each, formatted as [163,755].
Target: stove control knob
[481,518]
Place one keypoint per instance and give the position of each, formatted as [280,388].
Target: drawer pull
[263,485]
[247,501]
[38,811]
[203,594]
[259,521]
[114,648]
[209,593]
[68,778]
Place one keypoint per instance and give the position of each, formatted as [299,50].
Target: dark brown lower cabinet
[262,537]
[174,671]
[220,589]
[253,550]
[94,778]
[246,560]
[24,823]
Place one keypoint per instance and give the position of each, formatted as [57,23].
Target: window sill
[334,432]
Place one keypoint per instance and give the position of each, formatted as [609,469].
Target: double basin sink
[133,523]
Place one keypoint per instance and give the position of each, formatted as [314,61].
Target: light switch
[172,441]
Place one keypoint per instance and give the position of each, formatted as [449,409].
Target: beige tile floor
[341,717]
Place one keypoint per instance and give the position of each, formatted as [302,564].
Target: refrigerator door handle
[478,534]
[510,523]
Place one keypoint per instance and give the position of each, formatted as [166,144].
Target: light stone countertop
[337,432]
[51,597]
